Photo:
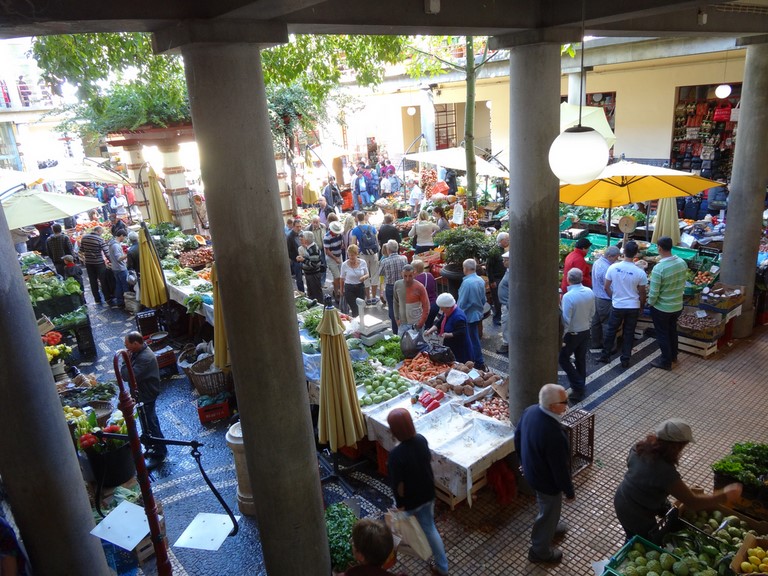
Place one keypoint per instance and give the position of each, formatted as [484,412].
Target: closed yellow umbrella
[158,209]
[667,221]
[220,344]
[340,421]
[152,286]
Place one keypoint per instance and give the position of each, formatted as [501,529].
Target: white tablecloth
[178,293]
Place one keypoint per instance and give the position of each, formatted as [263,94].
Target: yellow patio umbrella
[220,344]
[158,209]
[667,221]
[340,422]
[152,289]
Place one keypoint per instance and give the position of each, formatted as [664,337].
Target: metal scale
[372,329]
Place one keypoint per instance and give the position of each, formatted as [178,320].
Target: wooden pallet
[642,323]
[477,483]
[697,347]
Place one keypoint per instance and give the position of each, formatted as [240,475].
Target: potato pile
[440,382]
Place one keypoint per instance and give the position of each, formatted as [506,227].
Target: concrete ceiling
[516,21]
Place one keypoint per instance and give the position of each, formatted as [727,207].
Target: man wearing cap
[666,301]
[472,302]
[652,476]
[542,446]
[578,308]
[391,268]
[332,247]
[625,283]
[602,299]
[496,270]
[410,302]
[577,259]
[503,293]
[451,324]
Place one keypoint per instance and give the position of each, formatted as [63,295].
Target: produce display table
[179,293]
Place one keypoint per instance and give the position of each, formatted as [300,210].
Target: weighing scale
[372,329]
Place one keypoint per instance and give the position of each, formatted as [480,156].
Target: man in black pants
[93,251]
[147,373]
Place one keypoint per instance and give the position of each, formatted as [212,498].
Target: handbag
[722,113]
[735,112]
[410,532]
[441,354]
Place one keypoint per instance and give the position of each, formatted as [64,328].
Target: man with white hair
[496,270]
[578,308]
[542,446]
[415,197]
[391,268]
[602,299]
[472,301]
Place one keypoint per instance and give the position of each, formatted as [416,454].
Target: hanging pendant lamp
[580,153]
[724,90]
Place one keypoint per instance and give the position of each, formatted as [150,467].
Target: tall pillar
[748,185]
[533,226]
[38,462]
[176,188]
[229,113]
[577,92]
[138,174]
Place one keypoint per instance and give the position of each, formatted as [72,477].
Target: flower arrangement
[59,352]
[52,338]
[86,429]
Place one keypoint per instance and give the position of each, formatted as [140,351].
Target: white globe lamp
[723,91]
[411,111]
[578,155]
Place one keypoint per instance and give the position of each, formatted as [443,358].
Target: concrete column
[576,90]
[176,188]
[38,462]
[229,112]
[534,119]
[134,163]
[748,184]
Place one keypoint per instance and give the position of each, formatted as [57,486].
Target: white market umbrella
[28,207]
[79,172]
[456,158]
[12,178]
[591,116]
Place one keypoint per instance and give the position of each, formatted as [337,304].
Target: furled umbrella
[153,289]
[27,207]
[667,221]
[627,182]
[158,209]
[340,422]
[221,346]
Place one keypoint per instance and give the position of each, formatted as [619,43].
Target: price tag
[714,269]
[701,313]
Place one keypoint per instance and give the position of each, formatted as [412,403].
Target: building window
[445,126]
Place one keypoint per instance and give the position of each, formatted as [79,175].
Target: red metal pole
[127,405]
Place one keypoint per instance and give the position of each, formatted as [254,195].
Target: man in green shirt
[666,301]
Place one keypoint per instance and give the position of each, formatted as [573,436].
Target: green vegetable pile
[193,303]
[383,387]
[303,304]
[636,214]
[362,370]
[40,288]
[746,463]
[339,520]
[204,287]
[71,319]
[31,260]
[387,352]
[312,321]
[82,396]
[169,263]
[182,276]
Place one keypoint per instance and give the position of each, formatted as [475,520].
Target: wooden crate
[697,347]
[452,500]
[145,549]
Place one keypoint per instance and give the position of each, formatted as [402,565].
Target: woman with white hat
[451,324]
[652,476]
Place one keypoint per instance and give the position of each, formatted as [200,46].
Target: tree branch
[438,58]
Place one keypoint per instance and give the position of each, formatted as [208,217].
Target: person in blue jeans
[472,302]
[413,483]
[117,261]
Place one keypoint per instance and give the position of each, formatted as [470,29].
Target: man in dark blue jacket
[542,447]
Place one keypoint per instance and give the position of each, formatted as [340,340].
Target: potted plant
[339,520]
[461,244]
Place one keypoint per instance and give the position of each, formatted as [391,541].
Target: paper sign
[701,313]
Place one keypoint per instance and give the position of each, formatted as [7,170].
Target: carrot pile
[421,368]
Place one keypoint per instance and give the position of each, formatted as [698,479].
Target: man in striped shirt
[391,268]
[666,301]
[93,250]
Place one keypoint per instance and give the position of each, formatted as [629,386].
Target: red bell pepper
[112,429]
[426,400]
[434,405]
[439,395]
[88,441]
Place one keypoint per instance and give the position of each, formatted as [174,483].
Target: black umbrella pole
[126,405]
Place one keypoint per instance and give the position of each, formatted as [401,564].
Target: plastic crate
[147,322]
[618,559]
[214,412]
[57,306]
[86,345]
[580,425]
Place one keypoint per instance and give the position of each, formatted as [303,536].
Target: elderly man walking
[602,299]
[410,302]
[666,301]
[542,447]
[391,268]
[472,301]
[578,307]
